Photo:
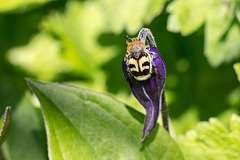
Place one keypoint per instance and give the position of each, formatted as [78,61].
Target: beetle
[145,72]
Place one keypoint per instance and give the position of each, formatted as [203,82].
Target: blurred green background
[82,43]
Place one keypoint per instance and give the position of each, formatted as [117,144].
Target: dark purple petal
[149,92]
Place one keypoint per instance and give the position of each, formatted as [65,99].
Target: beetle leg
[146,33]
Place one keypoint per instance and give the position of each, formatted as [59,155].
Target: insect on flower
[145,72]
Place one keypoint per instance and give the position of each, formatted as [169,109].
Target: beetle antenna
[127,39]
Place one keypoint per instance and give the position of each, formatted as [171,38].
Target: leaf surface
[82,124]
[222,32]
[212,140]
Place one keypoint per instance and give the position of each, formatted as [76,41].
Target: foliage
[222,33]
[4,125]
[82,124]
[82,43]
[51,64]
[212,140]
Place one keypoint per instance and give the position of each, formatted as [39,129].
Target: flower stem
[164,112]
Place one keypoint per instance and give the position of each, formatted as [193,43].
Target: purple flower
[145,72]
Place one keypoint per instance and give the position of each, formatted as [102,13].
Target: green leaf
[212,140]
[79,28]
[4,125]
[186,16]
[222,33]
[20,5]
[26,139]
[129,14]
[42,62]
[83,124]
[224,50]
[236,66]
